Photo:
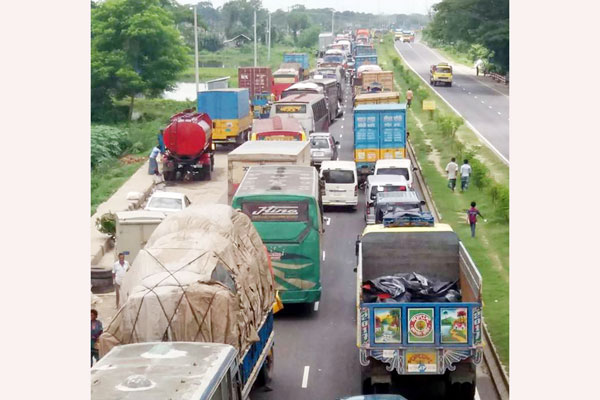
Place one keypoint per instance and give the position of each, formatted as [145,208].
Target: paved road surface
[483,106]
[315,350]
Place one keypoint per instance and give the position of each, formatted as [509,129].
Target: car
[322,148]
[396,166]
[378,184]
[396,201]
[168,202]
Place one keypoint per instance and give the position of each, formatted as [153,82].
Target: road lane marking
[489,106]
[323,255]
[477,395]
[305,377]
[341,134]
[464,89]
[316,306]
[469,124]
[499,113]
[482,102]
[342,126]
[475,96]
[327,220]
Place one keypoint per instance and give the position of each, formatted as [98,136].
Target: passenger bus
[277,128]
[310,109]
[284,205]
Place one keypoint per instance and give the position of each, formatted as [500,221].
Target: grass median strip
[437,137]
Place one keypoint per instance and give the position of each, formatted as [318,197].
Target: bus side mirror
[423,202]
[415,169]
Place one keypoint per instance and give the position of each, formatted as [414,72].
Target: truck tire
[460,391]
[450,84]
[266,371]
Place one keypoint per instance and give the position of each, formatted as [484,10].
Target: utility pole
[332,14]
[269,40]
[196,47]
[255,60]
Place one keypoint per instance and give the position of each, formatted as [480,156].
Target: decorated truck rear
[418,306]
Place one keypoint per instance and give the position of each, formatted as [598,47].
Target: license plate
[318,153]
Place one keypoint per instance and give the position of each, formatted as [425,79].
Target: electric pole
[196,47]
[255,60]
[332,14]
[269,41]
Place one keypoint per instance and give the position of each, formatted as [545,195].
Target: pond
[184,91]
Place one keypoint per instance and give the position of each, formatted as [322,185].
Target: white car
[341,183]
[167,202]
[400,166]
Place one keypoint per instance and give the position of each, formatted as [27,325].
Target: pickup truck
[440,73]
[435,331]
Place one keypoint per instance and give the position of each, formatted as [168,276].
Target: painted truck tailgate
[224,103]
[361,60]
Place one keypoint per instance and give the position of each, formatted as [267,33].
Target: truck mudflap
[420,338]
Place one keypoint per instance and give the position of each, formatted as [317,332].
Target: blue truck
[379,133]
[229,110]
[419,309]
[364,60]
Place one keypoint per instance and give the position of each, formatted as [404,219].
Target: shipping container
[256,79]
[379,133]
[224,103]
[363,60]
[301,58]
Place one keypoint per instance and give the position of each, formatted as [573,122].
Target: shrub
[106,142]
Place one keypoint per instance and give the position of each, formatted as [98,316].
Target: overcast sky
[372,6]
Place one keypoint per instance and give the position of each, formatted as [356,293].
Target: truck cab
[195,371]
[440,74]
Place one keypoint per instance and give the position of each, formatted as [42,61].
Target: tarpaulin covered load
[411,287]
[203,276]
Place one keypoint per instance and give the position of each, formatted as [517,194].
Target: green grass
[455,56]
[111,174]
[490,249]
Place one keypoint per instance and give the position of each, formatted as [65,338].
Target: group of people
[465,171]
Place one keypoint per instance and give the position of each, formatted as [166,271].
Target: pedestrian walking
[119,269]
[152,163]
[465,174]
[472,214]
[96,332]
[451,169]
[409,97]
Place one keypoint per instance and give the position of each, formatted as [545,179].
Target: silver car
[322,147]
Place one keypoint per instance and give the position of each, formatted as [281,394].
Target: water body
[184,91]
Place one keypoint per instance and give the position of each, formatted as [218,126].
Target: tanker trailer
[189,153]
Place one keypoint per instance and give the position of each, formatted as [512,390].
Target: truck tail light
[403,188]
[355,190]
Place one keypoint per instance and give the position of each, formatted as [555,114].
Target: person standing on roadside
[451,169]
[465,174]
[409,97]
[152,163]
[119,269]
[97,330]
[472,214]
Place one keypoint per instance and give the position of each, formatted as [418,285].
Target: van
[333,95]
[381,184]
[340,183]
[310,109]
[398,166]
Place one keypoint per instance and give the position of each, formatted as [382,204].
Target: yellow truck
[377,98]
[440,73]
[382,79]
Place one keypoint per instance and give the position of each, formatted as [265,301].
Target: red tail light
[356,190]
[403,188]
[368,210]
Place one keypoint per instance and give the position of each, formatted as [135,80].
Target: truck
[133,229]
[205,277]
[230,112]
[259,82]
[196,371]
[283,78]
[365,60]
[364,50]
[263,152]
[300,58]
[419,309]
[325,39]
[385,79]
[379,133]
[377,98]
[440,73]
[189,150]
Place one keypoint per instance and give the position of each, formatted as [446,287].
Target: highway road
[315,348]
[485,107]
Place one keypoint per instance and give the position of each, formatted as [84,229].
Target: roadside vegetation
[436,138]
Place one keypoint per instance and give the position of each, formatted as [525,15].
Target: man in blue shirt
[153,164]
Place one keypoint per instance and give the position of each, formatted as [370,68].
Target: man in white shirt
[119,269]
[465,174]
[451,169]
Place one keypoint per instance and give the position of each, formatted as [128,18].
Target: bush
[448,124]
[309,37]
[107,142]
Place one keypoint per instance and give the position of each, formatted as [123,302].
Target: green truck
[283,202]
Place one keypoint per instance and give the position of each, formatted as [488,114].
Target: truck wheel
[450,84]
[461,391]
[266,371]
[367,388]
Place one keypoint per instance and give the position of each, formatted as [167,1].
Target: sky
[371,6]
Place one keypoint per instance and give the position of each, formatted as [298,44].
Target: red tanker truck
[189,151]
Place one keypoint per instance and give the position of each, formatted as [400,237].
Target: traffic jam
[326,209]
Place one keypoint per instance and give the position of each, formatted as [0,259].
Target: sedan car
[167,202]
[322,147]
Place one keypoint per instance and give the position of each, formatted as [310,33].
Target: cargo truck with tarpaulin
[419,309]
[379,133]
[284,204]
[203,276]
[229,110]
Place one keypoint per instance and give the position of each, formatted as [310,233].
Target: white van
[341,183]
[400,166]
[381,184]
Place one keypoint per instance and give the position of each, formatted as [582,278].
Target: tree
[297,22]
[136,49]
[309,37]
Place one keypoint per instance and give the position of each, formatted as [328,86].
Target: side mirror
[356,244]
[423,202]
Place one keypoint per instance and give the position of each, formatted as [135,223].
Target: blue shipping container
[224,103]
[361,60]
[380,126]
[300,58]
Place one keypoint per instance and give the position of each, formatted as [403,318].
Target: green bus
[284,205]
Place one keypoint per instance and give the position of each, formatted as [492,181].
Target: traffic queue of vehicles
[235,266]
